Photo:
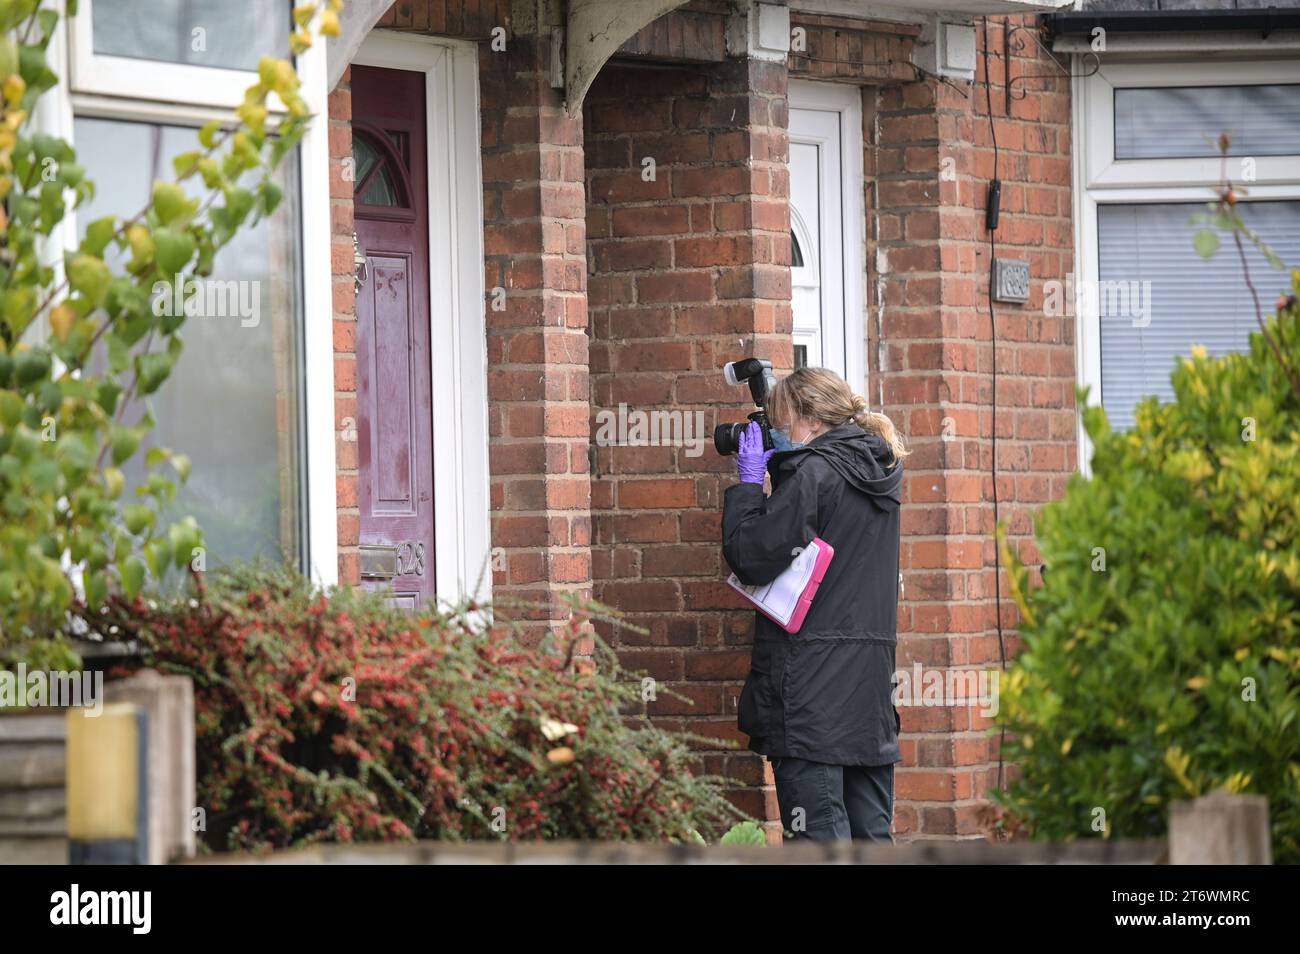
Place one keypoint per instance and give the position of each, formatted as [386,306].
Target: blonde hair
[817,394]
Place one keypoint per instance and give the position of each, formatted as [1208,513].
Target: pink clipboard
[787,599]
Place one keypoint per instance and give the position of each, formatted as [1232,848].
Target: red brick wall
[345,335]
[468,19]
[929,157]
[538,385]
[688,271]
[685,272]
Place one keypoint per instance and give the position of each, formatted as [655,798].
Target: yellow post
[105,785]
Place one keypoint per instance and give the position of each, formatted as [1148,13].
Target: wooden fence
[1219,829]
[613,853]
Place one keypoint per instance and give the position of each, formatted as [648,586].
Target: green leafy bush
[1162,655]
[333,717]
[745,833]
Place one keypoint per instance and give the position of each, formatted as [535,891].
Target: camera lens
[726,438]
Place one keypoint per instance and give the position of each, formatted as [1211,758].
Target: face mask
[781,440]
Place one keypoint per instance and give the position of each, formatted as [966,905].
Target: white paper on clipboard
[780,598]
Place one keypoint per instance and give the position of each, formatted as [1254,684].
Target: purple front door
[394,426]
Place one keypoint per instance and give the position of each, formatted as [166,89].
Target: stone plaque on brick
[1010,280]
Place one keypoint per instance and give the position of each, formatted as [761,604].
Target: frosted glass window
[232,401]
[231,34]
[1157,297]
[374,176]
[1186,122]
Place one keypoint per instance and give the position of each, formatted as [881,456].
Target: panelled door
[394,401]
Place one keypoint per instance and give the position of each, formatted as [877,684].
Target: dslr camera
[758,373]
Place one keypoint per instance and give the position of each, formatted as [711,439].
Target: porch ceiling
[597,28]
[920,9]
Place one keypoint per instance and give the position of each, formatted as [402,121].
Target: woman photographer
[817,702]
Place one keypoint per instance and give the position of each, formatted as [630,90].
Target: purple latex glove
[751,459]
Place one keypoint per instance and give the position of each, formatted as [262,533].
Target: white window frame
[458,323]
[1101,179]
[846,102]
[103,75]
[55,115]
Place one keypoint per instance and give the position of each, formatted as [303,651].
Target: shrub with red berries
[334,717]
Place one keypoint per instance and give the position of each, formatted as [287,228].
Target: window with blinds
[1174,122]
[1157,297]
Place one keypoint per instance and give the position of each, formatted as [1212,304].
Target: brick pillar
[689,269]
[343,287]
[538,389]
[934,344]
[929,159]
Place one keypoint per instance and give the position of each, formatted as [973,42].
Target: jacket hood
[862,459]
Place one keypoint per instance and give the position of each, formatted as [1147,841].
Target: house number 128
[410,559]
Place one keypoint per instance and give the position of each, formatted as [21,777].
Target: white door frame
[458,332]
[846,102]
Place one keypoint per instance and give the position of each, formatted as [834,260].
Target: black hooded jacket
[823,693]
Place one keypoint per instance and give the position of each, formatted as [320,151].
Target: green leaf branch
[1224,215]
[81,347]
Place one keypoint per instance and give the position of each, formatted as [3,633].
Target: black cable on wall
[992,215]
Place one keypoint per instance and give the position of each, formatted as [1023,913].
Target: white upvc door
[827,228]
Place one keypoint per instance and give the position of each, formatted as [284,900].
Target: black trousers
[835,802]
